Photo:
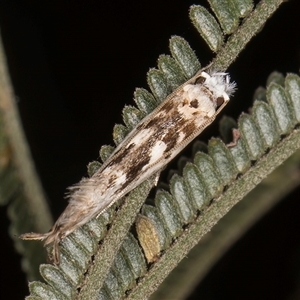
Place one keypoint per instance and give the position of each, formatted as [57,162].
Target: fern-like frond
[90,264]
[230,173]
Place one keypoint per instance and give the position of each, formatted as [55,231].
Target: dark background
[74,64]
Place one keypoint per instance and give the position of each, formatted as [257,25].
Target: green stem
[214,213]
[251,26]
[22,160]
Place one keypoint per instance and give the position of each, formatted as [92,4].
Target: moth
[156,140]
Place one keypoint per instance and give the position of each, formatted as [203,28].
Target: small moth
[156,140]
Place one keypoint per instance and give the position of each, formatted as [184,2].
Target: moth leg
[156,178]
[157,175]
[236,136]
[56,252]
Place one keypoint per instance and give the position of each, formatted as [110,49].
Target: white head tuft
[219,83]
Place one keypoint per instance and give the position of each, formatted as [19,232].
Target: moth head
[219,84]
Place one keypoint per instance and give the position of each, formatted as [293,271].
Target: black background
[74,64]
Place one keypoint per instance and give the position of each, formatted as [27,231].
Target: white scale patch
[157,152]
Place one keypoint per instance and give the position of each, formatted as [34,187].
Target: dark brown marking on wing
[200,80]
[194,103]
[151,123]
[112,179]
[166,130]
[168,107]
[167,126]
[220,101]
[172,134]
[129,146]
[189,128]
[160,121]
[121,156]
[139,127]
[138,161]
[171,140]
[185,102]
[167,155]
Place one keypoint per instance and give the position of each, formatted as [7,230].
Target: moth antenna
[53,236]
[34,236]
